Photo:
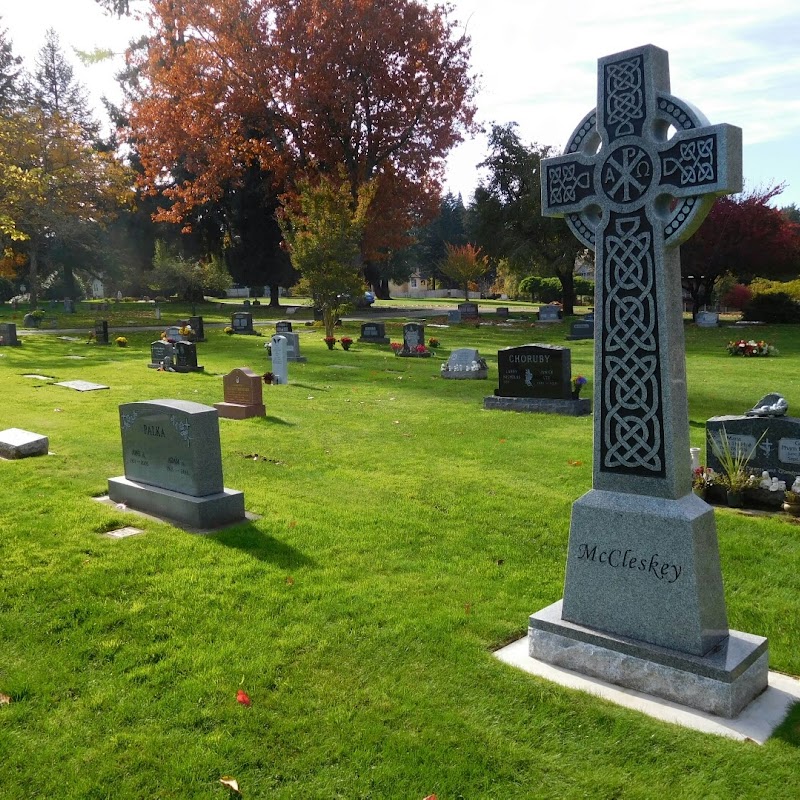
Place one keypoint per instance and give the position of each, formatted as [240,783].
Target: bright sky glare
[738,61]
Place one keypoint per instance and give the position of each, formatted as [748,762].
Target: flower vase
[576,394]
[734,499]
[330,345]
[345,346]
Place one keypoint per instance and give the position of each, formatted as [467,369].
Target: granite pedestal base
[722,682]
[374,339]
[540,405]
[17,443]
[239,411]
[210,511]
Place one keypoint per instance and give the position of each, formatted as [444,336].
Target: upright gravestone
[243,395]
[413,340]
[196,324]
[454,316]
[581,329]
[8,335]
[69,305]
[374,333]
[707,319]
[283,326]
[643,599]
[173,464]
[162,355]
[293,347]
[101,331]
[186,357]
[242,322]
[468,309]
[280,360]
[549,314]
[501,311]
[536,378]
[465,364]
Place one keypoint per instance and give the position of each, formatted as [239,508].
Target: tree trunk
[466,291]
[33,274]
[381,288]
[567,279]
[274,296]
[328,320]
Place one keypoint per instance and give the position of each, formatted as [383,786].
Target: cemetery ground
[404,535]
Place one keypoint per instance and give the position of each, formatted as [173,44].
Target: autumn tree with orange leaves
[379,89]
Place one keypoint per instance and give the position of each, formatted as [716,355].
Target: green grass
[405,534]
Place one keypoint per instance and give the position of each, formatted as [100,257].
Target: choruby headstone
[173,464]
[643,598]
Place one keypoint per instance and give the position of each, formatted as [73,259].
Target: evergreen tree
[10,73]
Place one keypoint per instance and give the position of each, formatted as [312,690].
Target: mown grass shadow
[261,546]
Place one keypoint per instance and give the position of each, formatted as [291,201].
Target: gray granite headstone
[283,326]
[643,573]
[707,319]
[293,347]
[373,333]
[468,309]
[549,314]
[280,359]
[465,363]
[161,352]
[454,316]
[778,452]
[82,386]
[173,333]
[242,322]
[581,329]
[17,443]
[173,464]
[8,335]
[501,311]
[69,305]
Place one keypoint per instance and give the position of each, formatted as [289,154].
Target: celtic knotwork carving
[563,181]
[625,100]
[632,437]
[695,162]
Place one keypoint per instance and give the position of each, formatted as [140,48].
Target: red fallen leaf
[231,783]
[241,697]
[575,463]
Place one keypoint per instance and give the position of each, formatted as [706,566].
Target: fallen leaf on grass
[575,463]
[430,797]
[243,698]
[467,608]
[290,580]
[231,783]
[293,523]
[4,700]
[503,441]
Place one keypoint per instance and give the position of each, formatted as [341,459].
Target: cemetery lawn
[404,535]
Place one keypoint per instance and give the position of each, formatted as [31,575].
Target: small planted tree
[464,264]
[323,231]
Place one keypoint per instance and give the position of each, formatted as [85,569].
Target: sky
[737,61]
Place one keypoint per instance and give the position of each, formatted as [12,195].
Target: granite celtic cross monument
[643,597]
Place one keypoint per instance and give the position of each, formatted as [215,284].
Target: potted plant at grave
[345,341]
[228,330]
[578,382]
[269,377]
[396,347]
[734,460]
[121,341]
[433,342]
[330,341]
[702,480]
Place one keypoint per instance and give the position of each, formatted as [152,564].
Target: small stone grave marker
[242,390]
[173,464]
[123,533]
[242,322]
[707,319]
[581,329]
[465,364]
[162,354]
[173,333]
[454,316]
[502,311]
[468,309]
[283,326]
[82,386]
[280,360]
[8,335]
[373,333]
[549,314]
[17,443]
[69,305]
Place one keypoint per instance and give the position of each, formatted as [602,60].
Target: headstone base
[540,405]
[409,354]
[238,411]
[722,682]
[17,443]
[374,339]
[296,359]
[188,369]
[465,375]
[210,511]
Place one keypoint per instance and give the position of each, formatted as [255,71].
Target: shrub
[772,307]
[738,296]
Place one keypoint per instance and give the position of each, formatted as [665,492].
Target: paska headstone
[173,464]
[280,361]
[643,598]
[8,335]
[243,395]
[465,364]
[374,333]
[242,322]
[186,357]
[162,355]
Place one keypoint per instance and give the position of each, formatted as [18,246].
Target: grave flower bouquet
[227,329]
[433,342]
[330,341]
[346,341]
[751,348]
[578,382]
[121,341]
[396,347]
